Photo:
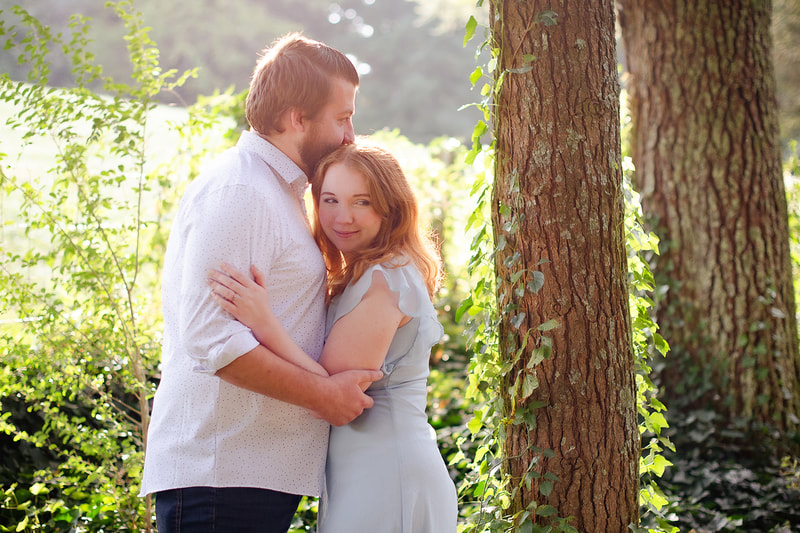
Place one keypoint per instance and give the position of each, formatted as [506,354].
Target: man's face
[331,128]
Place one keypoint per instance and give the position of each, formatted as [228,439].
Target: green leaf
[39,488]
[546,488]
[475,424]
[537,282]
[546,510]
[466,304]
[529,384]
[659,465]
[472,24]
[547,326]
[551,476]
[476,75]
[478,131]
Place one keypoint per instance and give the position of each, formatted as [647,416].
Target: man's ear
[296,120]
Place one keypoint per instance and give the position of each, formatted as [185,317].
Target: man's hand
[345,399]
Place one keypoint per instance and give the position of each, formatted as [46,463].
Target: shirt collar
[281,163]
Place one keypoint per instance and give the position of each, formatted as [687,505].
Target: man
[234,441]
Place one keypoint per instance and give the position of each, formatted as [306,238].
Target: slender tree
[572,443]
[706,149]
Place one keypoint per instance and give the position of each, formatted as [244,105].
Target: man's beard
[313,150]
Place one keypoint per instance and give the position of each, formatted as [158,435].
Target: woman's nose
[344,214]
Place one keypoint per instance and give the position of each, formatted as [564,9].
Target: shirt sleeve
[224,225]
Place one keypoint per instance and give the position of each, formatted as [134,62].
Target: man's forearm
[338,398]
[261,371]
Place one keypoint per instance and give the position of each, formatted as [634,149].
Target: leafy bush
[80,252]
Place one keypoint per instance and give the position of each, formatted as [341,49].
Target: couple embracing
[295,354]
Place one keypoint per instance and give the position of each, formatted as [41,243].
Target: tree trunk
[558,210]
[706,149]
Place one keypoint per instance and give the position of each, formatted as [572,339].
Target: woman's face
[345,210]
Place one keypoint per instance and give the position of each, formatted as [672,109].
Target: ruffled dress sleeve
[413,341]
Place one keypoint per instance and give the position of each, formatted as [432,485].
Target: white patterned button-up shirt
[246,208]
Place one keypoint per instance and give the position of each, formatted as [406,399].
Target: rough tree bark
[706,149]
[558,198]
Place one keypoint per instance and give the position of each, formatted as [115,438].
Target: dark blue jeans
[224,510]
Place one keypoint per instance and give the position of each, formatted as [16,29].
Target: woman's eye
[329,201]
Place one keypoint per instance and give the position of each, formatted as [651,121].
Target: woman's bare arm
[248,301]
[361,338]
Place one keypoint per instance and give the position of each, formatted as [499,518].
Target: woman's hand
[246,299]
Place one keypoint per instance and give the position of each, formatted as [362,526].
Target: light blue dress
[384,472]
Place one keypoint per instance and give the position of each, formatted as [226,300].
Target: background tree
[786,35]
[572,437]
[706,148]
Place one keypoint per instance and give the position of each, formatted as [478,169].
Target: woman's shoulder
[398,269]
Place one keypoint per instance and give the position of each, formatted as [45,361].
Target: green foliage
[792,178]
[727,477]
[79,294]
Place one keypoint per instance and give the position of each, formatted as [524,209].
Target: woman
[384,472]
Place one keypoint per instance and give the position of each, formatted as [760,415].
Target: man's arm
[337,399]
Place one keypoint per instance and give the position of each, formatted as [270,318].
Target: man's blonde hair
[294,72]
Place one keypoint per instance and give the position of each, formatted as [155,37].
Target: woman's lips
[344,234]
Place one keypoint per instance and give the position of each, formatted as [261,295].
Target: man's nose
[349,133]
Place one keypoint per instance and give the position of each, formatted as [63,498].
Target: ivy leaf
[476,75]
[526,527]
[479,129]
[39,488]
[537,282]
[546,510]
[466,304]
[529,384]
[548,18]
[470,29]
[546,488]
[659,465]
[476,423]
[550,324]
